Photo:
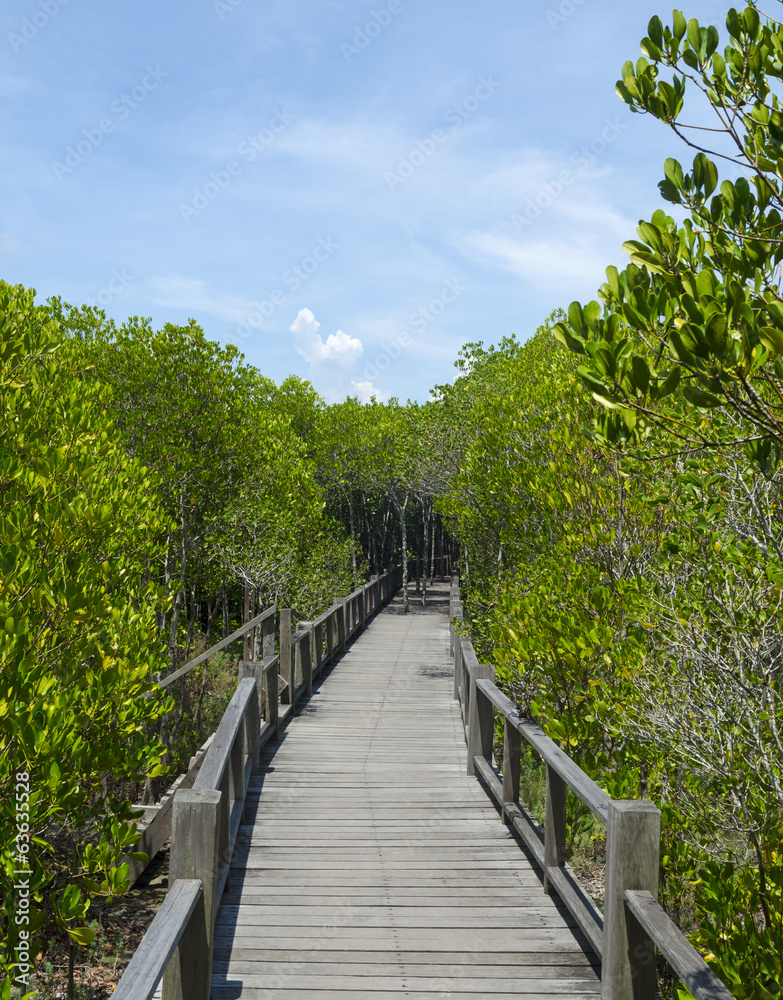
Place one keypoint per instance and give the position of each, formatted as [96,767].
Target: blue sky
[349,191]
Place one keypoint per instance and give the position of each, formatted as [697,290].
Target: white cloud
[366,390]
[332,361]
[338,347]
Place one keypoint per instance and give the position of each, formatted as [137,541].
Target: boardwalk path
[371,865]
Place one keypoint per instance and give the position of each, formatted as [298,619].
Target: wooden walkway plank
[371,865]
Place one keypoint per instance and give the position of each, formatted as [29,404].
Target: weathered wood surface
[372,865]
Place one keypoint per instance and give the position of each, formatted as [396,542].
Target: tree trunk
[183,571]
[203,684]
[353,540]
[425,528]
[224,601]
[382,565]
[404,526]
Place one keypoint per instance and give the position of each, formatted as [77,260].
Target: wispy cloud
[177,291]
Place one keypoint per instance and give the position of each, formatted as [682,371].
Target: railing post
[343,625]
[459,665]
[252,734]
[454,634]
[269,637]
[236,765]
[328,627]
[254,669]
[554,825]
[194,854]
[361,614]
[272,693]
[512,753]
[286,660]
[317,648]
[305,650]
[481,719]
[633,839]
[454,600]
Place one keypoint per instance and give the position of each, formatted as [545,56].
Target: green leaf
[772,338]
[81,935]
[694,34]
[698,397]
[716,332]
[641,374]
[640,255]
[679,25]
[669,384]
[564,336]
[705,174]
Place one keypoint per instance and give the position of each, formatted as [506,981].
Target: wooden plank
[228,991]
[548,965]
[449,982]
[510,963]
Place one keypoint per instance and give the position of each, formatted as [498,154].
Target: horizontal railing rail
[633,925]
[253,624]
[205,819]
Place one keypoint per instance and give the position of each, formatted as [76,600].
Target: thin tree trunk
[203,685]
[381,565]
[425,528]
[433,538]
[371,549]
[404,527]
[353,540]
[178,600]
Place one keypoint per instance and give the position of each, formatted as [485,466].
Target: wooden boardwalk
[371,865]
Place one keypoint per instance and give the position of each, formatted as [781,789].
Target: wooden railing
[633,925]
[205,819]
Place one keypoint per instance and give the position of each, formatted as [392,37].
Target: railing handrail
[626,947]
[242,630]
